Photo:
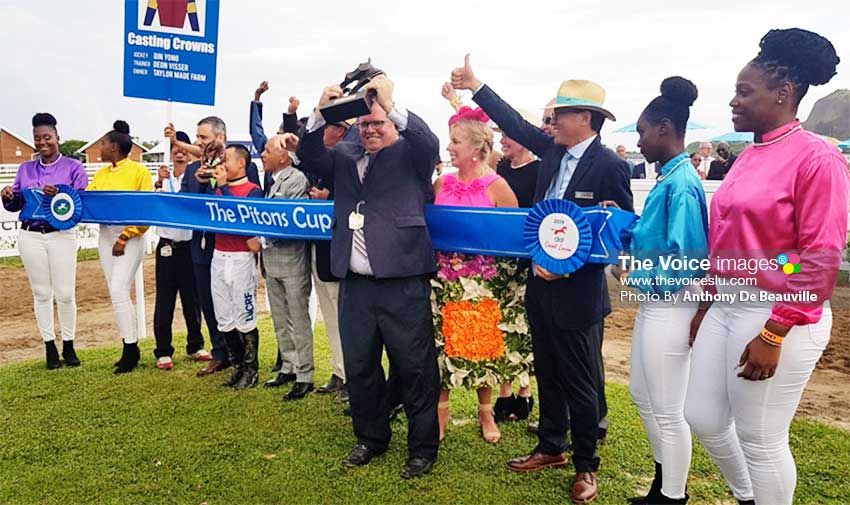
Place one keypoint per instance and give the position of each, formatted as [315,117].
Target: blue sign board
[170,50]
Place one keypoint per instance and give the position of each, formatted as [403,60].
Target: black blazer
[191,185]
[580,300]
[395,193]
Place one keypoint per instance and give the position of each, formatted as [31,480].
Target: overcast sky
[66,57]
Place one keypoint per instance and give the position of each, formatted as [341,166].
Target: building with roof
[14,148]
[90,153]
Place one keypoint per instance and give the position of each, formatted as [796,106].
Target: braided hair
[797,56]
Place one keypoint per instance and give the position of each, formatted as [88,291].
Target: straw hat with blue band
[581,94]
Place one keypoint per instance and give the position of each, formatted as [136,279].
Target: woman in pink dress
[479,321]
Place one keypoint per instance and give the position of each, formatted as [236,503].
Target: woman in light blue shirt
[673,235]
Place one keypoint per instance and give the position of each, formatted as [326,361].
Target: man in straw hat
[566,313]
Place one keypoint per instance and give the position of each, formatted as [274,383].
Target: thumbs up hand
[464,78]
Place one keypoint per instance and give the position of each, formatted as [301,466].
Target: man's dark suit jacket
[191,185]
[582,299]
[394,194]
[639,171]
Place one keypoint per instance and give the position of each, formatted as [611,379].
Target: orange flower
[471,330]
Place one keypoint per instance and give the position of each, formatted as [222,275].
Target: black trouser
[174,275]
[396,314]
[567,364]
[204,296]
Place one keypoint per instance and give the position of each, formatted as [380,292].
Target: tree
[69,148]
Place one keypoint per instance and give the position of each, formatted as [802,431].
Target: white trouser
[233,286]
[51,263]
[328,294]
[744,424]
[120,272]
[658,382]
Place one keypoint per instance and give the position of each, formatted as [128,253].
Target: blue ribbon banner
[471,230]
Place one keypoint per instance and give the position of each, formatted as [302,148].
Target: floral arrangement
[479,320]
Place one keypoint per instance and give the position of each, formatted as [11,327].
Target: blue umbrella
[844,145]
[734,137]
[632,128]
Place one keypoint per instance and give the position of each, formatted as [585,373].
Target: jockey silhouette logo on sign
[181,17]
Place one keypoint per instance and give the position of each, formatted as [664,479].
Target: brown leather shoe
[215,365]
[537,461]
[584,487]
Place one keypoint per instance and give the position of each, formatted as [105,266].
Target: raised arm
[425,145]
[171,134]
[316,159]
[509,120]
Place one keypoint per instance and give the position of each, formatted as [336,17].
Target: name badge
[355,221]
[584,195]
[165,251]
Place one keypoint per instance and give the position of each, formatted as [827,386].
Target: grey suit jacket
[286,258]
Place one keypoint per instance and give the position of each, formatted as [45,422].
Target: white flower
[473,290]
[514,357]
[524,380]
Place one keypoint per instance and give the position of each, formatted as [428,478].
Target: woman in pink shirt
[467,357]
[779,223]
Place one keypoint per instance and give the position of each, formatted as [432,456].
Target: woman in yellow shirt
[121,248]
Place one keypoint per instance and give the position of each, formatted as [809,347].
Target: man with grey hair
[705,149]
[286,267]
[210,129]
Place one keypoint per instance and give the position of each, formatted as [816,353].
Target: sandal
[492,436]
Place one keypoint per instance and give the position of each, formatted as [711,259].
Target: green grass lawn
[86,436]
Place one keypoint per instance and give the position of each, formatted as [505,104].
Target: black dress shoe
[68,353]
[280,380]
[417,467]
[746,502]
[52,355]
[334,384]
[359,456]
[298,391]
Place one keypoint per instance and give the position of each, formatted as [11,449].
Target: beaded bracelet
[771,338]
[455,101]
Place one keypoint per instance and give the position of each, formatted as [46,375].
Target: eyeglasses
[364,125]
[548,120]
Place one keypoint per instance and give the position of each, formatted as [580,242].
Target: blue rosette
[557,236]
[64,210]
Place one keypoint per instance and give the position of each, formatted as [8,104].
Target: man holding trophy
[382,251]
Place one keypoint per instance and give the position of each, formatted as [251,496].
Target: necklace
[779,138]
[662,177]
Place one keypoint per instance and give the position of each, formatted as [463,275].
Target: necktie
[359,237]
[559,185]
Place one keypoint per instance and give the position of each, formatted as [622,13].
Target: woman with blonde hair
[479,316]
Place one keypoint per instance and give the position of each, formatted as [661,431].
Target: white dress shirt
[172,185]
